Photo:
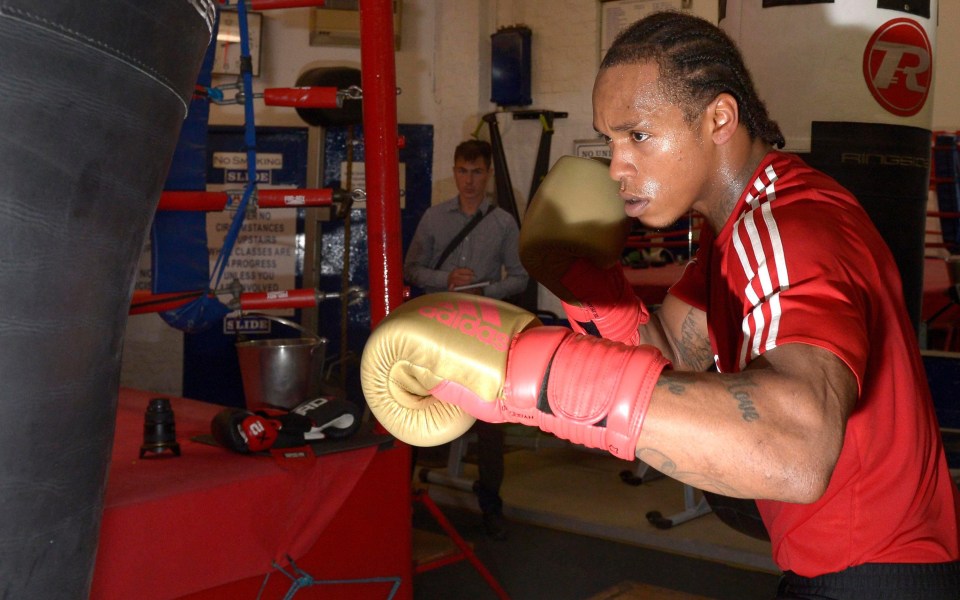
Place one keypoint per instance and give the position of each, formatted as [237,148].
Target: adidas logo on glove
[470,319]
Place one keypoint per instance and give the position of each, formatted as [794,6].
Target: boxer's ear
[722,117]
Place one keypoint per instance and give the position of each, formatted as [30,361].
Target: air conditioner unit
[337,23]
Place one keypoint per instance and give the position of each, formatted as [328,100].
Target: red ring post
[378,79]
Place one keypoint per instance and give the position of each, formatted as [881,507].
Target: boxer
[817,407]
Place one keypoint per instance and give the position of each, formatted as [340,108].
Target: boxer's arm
[773,431]
[680,332]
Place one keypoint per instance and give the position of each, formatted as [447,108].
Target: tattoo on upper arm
[693,348]
[676,382]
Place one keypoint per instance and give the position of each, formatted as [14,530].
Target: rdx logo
[303,409]
[897,66]
[481,322]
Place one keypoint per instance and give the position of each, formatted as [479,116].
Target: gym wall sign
[898,66]
[920,8]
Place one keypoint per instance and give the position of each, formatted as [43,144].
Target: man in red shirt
[818,406]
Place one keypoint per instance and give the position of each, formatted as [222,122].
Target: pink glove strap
[606,300]
[591,381]
[597,395]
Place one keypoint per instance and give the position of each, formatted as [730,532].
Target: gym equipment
[92,101]
[740,514]
[262,198]
[463,549]
[576,213]
[245,431]
[206,309]
[200,310]
[350,109]
[945,180]
[571,242]
[443,359]
[330,417]
[301,98]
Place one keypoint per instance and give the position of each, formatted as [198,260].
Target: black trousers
[940,581]
[490,466]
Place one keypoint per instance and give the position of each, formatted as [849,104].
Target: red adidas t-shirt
[799,261]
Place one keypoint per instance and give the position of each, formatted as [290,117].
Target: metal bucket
[283,372]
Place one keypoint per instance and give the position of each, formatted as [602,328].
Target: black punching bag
[92,97]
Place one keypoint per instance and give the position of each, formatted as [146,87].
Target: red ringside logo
[479,321]
[898,67]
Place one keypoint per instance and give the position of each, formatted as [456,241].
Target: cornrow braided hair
[697,61]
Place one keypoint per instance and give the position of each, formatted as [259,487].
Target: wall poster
[616,15]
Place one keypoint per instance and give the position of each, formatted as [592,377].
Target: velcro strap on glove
[596,392]
[607,385]
[608,308]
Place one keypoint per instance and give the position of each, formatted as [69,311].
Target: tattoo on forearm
[740,391]
[661,462]
[658,460]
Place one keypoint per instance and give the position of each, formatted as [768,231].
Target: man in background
[469,245]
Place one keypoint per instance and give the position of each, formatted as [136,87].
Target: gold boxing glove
[576,213]
[571,239]
[429,339]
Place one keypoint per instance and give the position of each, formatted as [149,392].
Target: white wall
[946,90]
[443,70]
